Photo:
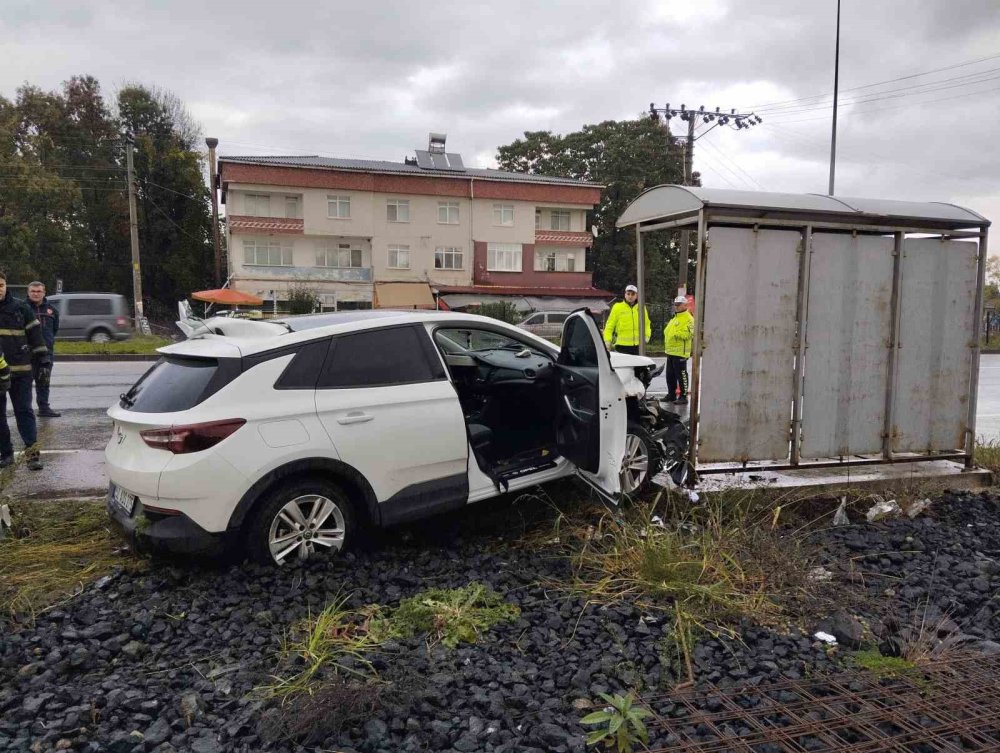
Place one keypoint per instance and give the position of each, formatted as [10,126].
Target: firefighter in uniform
[677,338]
[23,348]
[48,317]
[622,328]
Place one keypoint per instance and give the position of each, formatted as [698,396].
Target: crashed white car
[283,437]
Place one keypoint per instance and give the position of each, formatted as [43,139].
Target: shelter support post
[889,413]
[701,258]
[640,273]
[970,431]
[801,326]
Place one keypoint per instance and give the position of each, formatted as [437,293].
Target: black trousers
[677,375]
[632,350]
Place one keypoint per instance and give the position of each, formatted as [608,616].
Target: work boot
[47,412]
[7,461]
[34,463]
[682,400]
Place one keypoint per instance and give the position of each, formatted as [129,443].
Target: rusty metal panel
[748,345]
[935,344]
[847,345]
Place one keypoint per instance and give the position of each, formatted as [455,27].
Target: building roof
[400,168]
[670,202]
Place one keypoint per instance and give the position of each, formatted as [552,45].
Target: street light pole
[140,319]
[212,143]
[836,88]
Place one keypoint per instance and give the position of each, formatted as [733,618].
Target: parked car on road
[98,317]
[284,436]
[545,323]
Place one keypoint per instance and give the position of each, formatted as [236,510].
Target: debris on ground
[883,509]
[918,508]
[840,517]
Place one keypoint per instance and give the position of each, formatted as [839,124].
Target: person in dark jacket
[48,318]
[24,349]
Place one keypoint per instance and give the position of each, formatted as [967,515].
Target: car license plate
[125,500]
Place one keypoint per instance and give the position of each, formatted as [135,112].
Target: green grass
[142,344]
[339,640]
[988,456]
[53,550]
[884,666]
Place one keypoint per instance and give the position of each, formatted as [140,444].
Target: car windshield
[467,340]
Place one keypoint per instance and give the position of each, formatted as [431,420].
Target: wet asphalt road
[83,391]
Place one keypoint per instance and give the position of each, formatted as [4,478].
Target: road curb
[106,357]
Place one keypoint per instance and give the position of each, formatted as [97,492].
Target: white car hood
[619,360]
[624,366]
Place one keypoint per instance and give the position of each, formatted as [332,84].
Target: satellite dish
[593,230]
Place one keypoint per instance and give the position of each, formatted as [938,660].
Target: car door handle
[355,417]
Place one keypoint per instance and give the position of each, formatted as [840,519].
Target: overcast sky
[370,79]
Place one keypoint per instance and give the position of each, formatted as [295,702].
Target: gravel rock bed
[167,661]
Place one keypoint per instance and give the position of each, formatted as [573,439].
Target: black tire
[258,531]
[100,336]
[636,433]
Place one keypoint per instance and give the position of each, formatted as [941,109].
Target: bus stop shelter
[829,331]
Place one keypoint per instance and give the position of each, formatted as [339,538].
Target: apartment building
[424,232]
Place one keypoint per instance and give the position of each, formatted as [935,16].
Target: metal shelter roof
[668,202]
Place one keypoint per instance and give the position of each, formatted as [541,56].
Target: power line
[185,195]
[172,222]
[886,81]
[727,159]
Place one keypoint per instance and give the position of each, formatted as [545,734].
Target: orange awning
[398,295]
[227,297]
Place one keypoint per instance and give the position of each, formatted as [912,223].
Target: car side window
[89,307]
[378,358]
[536,319]
[578,348]
[557,318]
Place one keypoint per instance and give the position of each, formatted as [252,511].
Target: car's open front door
[591,424]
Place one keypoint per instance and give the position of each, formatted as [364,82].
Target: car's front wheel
[302,519]
[641,462]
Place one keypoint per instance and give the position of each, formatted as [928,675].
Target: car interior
[509,392]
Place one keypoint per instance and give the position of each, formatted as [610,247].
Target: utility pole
[212,143]
[736,121]
[141,324]
[836,87]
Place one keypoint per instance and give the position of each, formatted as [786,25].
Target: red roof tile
[244,224]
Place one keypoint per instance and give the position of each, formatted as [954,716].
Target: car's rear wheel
[100,336]
[302,519]
[641,462]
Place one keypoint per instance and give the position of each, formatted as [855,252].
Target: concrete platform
[924,476]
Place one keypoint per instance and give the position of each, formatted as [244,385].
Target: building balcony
[563,238]
[307,274]
[531,278]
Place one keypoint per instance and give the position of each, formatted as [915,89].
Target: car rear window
[88,307]
[174,384]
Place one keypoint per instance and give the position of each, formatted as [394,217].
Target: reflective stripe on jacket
[678,334]
[623,325]
[21,340]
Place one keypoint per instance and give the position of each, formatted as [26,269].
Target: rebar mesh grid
[950,705]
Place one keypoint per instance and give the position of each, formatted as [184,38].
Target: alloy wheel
[635,464]
[305,525]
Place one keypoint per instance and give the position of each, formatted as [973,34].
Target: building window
[503,257]
[447,212]
[553,261]
[267,253]
[257,205]
[292,211]
[448,257]
[399,257]
[338,207]
[397,210]
[503,214]
[538,219]
[560,220]
[343,255]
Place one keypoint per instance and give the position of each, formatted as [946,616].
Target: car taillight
[121,321]
[192,437]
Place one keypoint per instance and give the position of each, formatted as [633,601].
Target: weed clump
[339,640]
[52,551]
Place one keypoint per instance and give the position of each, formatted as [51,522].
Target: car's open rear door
[591,423]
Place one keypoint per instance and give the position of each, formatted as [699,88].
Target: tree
[627,157]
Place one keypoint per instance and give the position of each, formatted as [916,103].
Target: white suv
[285,436]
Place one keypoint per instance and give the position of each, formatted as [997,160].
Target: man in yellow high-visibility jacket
[622,329]
[677,338]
